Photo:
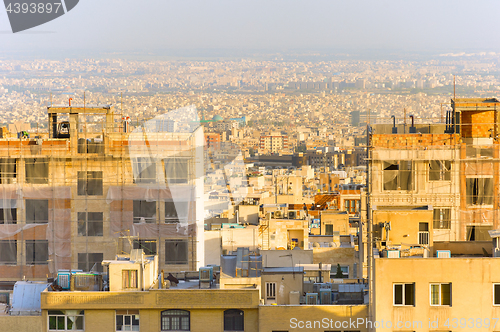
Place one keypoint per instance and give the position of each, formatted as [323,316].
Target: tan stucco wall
[279,318]
[21,323]
[404,225]
[334,256]
[472,290]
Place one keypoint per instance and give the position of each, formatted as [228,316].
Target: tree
[339,273]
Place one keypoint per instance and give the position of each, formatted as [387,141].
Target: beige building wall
[438,194]
[285,283]
[21,323]
[339,222]
[342,256]
[206,307]
[290,318]
[404,226]
[471,279]
[286,258]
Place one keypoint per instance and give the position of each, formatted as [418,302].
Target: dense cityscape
[259,167]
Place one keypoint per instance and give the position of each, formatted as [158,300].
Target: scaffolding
[70,196]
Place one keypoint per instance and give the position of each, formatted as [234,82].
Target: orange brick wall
[477,124]
[413,141]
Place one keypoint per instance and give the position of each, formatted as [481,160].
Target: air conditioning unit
[63,279]
[443,253]
[317,287]
[86,282]
[277,214]
[206,274]
[312,298]
[393,254]
[292,214]
[325,296]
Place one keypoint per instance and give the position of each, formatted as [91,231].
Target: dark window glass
[149,246]
[37,252]
[90,183]
[8,170]
[234,320]
[90,223]
[144,212]
[37,211]
[8,252]
[176,251]
[175,320]
[90,261]
[37,170]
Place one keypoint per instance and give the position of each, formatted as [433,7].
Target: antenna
[404,122]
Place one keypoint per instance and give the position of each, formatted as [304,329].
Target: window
[8,215]
[37,211]
[345,270]
[37,170]
[90,224]
[442,218]
[478,233]
[439,170]
[175,211]
[397,175]
[127,320]
[479,191]
[339,271]
[176,170]
[234,320]
[144,212]
[271,290]
[8,252]
[352,205]
[66,320]
[37,252]
[144,170]
[423,233]
[404,294]
[90,183]
[328,229]
[90,261]
[7,170]
[175,320]
[441,294]
[129,279]
[149,246]
[176,251]
[496,294]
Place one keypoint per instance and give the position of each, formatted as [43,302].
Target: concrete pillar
[73,132]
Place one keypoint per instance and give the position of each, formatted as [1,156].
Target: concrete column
[73,132]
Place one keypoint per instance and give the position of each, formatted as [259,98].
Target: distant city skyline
[202,28]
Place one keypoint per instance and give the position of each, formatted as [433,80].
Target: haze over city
[242,28]
[258,166]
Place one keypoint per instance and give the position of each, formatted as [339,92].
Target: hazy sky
[270,25]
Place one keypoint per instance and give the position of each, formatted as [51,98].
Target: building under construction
[93,188]
[451,169]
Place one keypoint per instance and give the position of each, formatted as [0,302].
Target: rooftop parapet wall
[162,298]
[414,141]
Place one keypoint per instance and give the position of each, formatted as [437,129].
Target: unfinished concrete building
[92,189]
[451,169]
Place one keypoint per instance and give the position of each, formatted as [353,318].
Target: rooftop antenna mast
[404,122]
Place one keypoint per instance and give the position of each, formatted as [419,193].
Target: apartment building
[274,143]
[437,294]
[90,190]
[450,167]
